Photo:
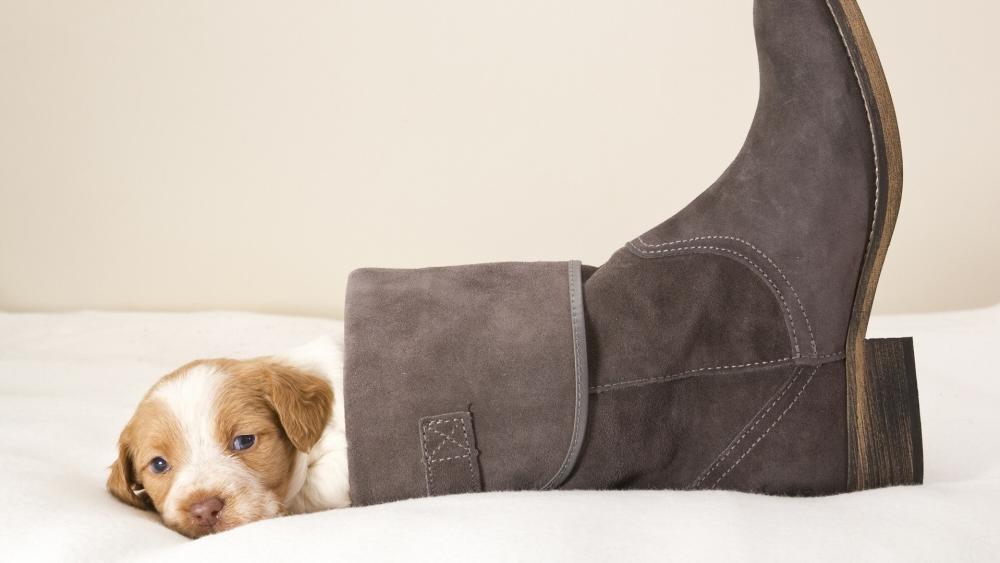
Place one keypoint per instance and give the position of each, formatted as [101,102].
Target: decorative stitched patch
[451,460]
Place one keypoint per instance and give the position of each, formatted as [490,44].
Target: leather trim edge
[581,375]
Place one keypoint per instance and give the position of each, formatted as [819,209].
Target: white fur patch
[326,484]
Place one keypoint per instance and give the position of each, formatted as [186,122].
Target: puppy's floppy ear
[121,482]
[302,401]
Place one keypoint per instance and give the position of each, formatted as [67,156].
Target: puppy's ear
[121,482]
[303,403]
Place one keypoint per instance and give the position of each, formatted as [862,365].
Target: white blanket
[69,382]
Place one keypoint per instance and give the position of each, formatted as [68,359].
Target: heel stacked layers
[884,434]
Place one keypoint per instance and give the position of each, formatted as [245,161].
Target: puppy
[220,443]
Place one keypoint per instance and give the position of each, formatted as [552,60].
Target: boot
[722,349]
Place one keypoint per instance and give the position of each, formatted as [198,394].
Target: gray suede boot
[722,349]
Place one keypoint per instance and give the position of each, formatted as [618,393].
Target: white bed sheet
[68,383]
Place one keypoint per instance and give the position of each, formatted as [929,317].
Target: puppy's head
[214,444]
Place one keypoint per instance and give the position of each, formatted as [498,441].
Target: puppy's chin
[236,511]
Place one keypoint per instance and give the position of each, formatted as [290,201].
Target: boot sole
[883,416]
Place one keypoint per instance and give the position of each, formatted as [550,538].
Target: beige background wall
[247,155]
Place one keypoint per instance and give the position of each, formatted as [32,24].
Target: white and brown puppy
[220,443]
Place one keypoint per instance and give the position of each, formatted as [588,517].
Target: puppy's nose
[206,511]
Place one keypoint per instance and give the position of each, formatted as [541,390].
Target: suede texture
[656,320]
[776,430]
[799,197]
[715,341]
[491,340]
[798,447]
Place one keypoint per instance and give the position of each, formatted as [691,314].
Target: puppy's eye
[243,442]
[159,465]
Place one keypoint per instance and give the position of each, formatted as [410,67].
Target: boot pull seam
[614,386]
[665,378]
[802,308]
[747,429]
[769,428]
